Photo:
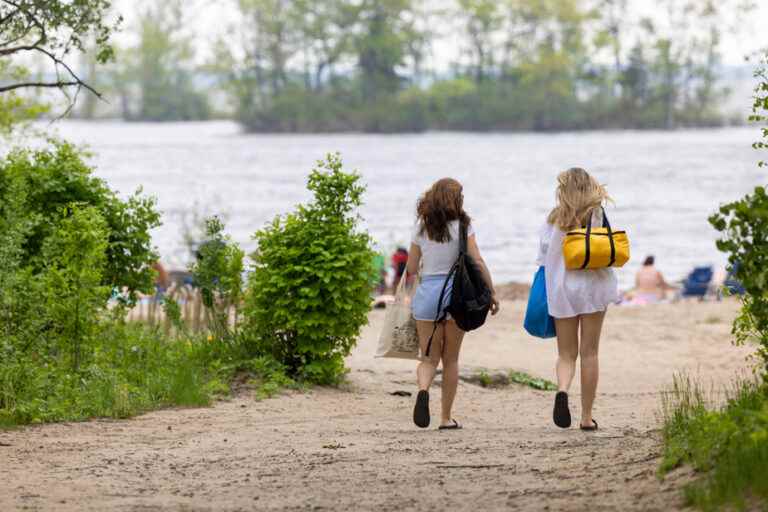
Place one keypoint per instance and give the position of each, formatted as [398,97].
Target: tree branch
[16,49]
[60,84]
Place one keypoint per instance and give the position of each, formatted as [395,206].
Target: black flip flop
[421,410]
[590,428]
[454,426]
[561,415]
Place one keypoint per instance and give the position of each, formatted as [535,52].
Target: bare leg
[591,326]
[453,338]
[425,371]
[567,351]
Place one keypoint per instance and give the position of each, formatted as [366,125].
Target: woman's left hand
[494,304]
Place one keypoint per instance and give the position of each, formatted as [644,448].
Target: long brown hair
[440,205]
[578,194]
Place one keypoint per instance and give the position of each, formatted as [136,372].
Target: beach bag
[470,295]
[538,322]
[592,247]
[399,338]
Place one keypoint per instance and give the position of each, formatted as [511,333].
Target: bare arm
[474,252]
[663,284]
[414,259]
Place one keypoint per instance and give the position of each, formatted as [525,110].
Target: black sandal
[590,428]
[561,415]
[421,410]
[454,426]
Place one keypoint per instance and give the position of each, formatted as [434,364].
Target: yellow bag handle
[607,225]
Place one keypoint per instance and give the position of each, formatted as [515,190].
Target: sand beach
[355,448]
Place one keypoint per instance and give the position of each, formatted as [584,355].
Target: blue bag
[538,321]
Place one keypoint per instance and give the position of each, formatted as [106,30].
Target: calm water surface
[665,184]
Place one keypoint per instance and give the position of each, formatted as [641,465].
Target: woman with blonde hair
[434,250]
[577,299]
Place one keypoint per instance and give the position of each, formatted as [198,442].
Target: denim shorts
[425,299]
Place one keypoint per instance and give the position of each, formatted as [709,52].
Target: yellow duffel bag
[595,247]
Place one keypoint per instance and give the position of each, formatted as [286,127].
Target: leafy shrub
[309,293]
[218,272]
[75,258]
[744,224]
[55,177]
[760,105]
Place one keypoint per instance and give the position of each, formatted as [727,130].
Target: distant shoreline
[241,131]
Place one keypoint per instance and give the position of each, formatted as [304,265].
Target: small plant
[218,272]
[484,379]
[712,320]
[530,381]
[75,259]
[309,293]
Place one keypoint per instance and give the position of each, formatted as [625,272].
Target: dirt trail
[356,448]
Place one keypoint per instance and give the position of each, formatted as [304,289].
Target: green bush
[75,258]
[218,273]
[57,176]
[744,225]
[309,293]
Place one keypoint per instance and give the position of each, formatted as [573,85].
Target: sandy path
[356,448]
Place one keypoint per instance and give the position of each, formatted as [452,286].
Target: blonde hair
[578,194]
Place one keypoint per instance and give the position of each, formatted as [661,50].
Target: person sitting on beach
[577,299]
[650,286]
[435,244]
[162,280]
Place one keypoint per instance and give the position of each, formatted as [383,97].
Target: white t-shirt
[573,292]
[438,257]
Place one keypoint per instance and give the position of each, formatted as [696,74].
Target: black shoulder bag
[470,296]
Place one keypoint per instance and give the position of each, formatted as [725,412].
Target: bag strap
[463,229]
[440,314]
[586,242]
[607,225]
[587,239]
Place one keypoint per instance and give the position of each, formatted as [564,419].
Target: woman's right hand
[494,305]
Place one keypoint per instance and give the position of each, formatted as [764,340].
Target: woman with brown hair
[434,250]
[577,299]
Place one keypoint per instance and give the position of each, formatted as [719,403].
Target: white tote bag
[399,338]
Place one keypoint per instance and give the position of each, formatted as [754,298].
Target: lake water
[665,184]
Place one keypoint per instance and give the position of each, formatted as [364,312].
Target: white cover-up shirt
[573,292]
[438,257]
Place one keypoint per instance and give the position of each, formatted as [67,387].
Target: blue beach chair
[697,282]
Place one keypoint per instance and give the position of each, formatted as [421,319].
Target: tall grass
[725,438]
[133,370]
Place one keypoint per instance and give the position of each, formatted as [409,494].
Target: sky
[208,18]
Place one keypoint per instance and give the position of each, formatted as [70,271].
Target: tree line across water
[414,65]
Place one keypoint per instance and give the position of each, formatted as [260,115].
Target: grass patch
[486,380]
[727,444]
[134,369]
[532,382]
